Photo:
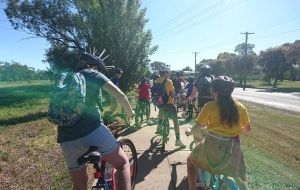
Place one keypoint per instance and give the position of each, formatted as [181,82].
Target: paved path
[156,170]
[286,101]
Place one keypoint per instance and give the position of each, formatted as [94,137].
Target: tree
[292,54]
[273,63]
[244,63]
[157,65]
[187,68]
[72,25]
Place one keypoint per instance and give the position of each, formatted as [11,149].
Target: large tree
[292,54]
[273,63]
[115,25]
[246,60]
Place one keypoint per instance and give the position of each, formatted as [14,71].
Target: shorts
[100,137]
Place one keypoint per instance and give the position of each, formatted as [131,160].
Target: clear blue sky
[181,27]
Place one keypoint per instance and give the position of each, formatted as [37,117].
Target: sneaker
[179,143]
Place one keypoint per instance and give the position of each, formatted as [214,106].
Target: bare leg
[79,178]
[191,171]
[119,160]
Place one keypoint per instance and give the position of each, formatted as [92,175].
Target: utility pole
[244,65]
[195,62]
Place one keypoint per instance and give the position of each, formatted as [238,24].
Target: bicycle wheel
[129,149]
[228,184]
[165,133]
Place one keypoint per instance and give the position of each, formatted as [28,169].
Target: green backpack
[67,100]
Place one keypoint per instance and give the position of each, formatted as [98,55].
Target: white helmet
[165,70]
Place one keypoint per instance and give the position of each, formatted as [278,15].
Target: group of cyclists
[224,118]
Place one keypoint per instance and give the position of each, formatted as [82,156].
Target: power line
[184,13]
[212,12]
[190,19]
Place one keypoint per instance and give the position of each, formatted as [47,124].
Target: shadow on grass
[23,119]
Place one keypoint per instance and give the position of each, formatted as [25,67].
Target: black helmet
[223,85]
[93,60]
[118,71]
[205,70]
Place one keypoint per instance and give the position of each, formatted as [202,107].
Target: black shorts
[170,109]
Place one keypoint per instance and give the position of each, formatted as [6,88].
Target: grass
[284,86]
[21,102]
[30,158]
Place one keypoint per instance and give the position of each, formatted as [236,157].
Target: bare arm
[113,90]
[246,129]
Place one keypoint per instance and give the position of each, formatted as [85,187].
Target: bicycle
[104,175]
[164,128]
[109,117]
[204,178]
[142,108]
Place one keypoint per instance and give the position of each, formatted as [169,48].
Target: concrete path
[157,170]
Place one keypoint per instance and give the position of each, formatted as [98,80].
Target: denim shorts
[100,137]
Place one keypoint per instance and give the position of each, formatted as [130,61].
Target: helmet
[93,60]
[165,70]
[118,71]
[223,85]
[205,70]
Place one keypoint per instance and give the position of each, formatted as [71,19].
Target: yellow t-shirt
[210,117]
[169,88]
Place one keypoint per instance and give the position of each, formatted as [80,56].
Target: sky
[182,27]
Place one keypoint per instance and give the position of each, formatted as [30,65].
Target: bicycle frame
[142,108]
[92,156]
[165,129]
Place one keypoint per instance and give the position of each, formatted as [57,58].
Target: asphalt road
[286,101]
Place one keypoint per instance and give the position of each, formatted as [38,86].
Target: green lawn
[284,86]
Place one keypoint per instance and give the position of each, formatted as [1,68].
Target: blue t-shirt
[189,88]
[91,119]
[116,81]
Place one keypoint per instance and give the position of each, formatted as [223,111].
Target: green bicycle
[142,109]
[164,131]
[109,117]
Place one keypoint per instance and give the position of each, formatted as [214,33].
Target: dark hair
[224,86]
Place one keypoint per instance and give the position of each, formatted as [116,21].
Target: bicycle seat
[91,156]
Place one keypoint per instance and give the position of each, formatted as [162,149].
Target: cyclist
[116,80]
[189,88]
[202,86]
[90,130]
[225,119]
[169,107]
[144,99]
[178,82]
[117,75]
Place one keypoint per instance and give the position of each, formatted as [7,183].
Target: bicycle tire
[165,133]
[131,153]
[228,184]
